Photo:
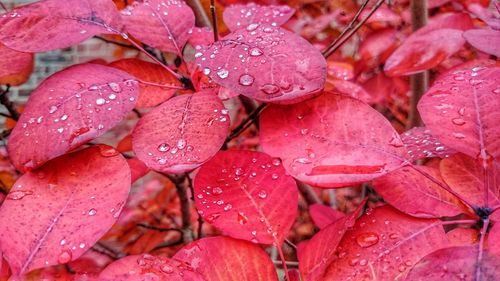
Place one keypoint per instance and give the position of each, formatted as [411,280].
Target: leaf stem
[486,223]
[283,262]
[214,20]
[251,118]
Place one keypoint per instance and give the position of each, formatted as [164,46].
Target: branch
[160,229]
[199,232]
[5,133]
[308,193]
[214,20]
[202,18]
[181,187]
[251,119]
[8,104]
[341,40]
[3,6]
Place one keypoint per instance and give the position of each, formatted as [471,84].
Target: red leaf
[223,258]
[456,263]
[351,89]
[182,133]
[247,195]
[377,46]
[326,142]
[316,254]
[15,67]
[461,109]
[68,109]
[55,24]
[168,23]
[466,177]
[323,215]
[420,52]
[400,188]
[485,40]
[147,267]
[137,168]
[266,63]
[201,36]
[493,241]
[240,16]
[156,84]
[421,143]
[384,244]
[54,214]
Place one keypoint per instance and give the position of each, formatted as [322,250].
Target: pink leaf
[15,67]
[400,188]
[456,263]
[68,109]
[266,63]
[201,36]
[421,143]
[466,176]
[156,84]
[54,214]
[247,195]
[147,267]
[168,23]
[326,141]
[384,244]
[485,40]
[240,16]
[420,52]
[493,241]
[223,258]
[316,254]
[461,109]
[323,215]
[182,133]
[55,24]
[137,168]
[377,46]
[351,89]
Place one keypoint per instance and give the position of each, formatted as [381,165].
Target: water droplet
[276,161]
[274,176]
[246,79]
[222,73]
[64,256]
[112,96]
[255,52]
[206,71]
[367,239]
[238,171]
[92,212]
[18,194]
[363,262]
[100,101]
[458,135]
[82,245]
[107,151]
[228,207]
[167,269]
[115,87]
[52,109]
[262,194]
[217,190]
[458,121]
[163,147]
[270,89]
[252,26]
[181,143]
[393,236]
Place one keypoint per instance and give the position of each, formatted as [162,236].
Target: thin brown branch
[181,183]
[201,16]
[214,20]
[251,119]
[308,193]
[339,42]
[2,5]
[4,100]
[5,133]
[169,244]
[160,229]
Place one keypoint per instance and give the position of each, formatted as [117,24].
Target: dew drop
[228,207]
[223,73]
[262,194]
[458,121]
[367,239]
[163,147]
[246,79]
[92,212]
[100,101]
[274,176]
[238,171]
[252,26]
[52,109]
[18,194]
[270,89]
[255,52]
[217,190]
[167,269]
[115,87]
[181,143]
[458,135]
[276,161]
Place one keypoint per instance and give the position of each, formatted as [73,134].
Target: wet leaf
[421,143]
[323,215]
[240,16]
[485,40]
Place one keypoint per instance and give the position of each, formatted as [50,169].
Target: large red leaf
[156,84]
[420,52]
[456,263]
[323,215]
[182,133]
[461,109]
[240,16]
[466,176]
[383,245]
[223,258]
[266,63]
[421,143]
[15,67]
[316,254]
[69,108]
[54,214]
[400,188]
[247,195]
[55,24]
[485,40]
[165,25]
[147,268]
[326,141]
[377,46]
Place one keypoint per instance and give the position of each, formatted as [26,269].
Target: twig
[308,193]
[202,18]
[199,233]
[419,82]
[5,133]
[160,229]
[169,244]
[180,186]
[103,252]
[116,43]
[4,99]
[3,6]
[214,20]
[339,42]
[251,119]
[137,112]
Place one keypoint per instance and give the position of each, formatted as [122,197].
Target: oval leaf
[168,23]
[485,40]
[247,195]
[421,143]
[456,263]
[461,109]
[146,268]
[266,63]
[15,67]
[326,142]
[68,109]
[182,133]
[384,244]
[239,16]
[156,84]
[224,258]
[56,24]
[323,215]
[54,214]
